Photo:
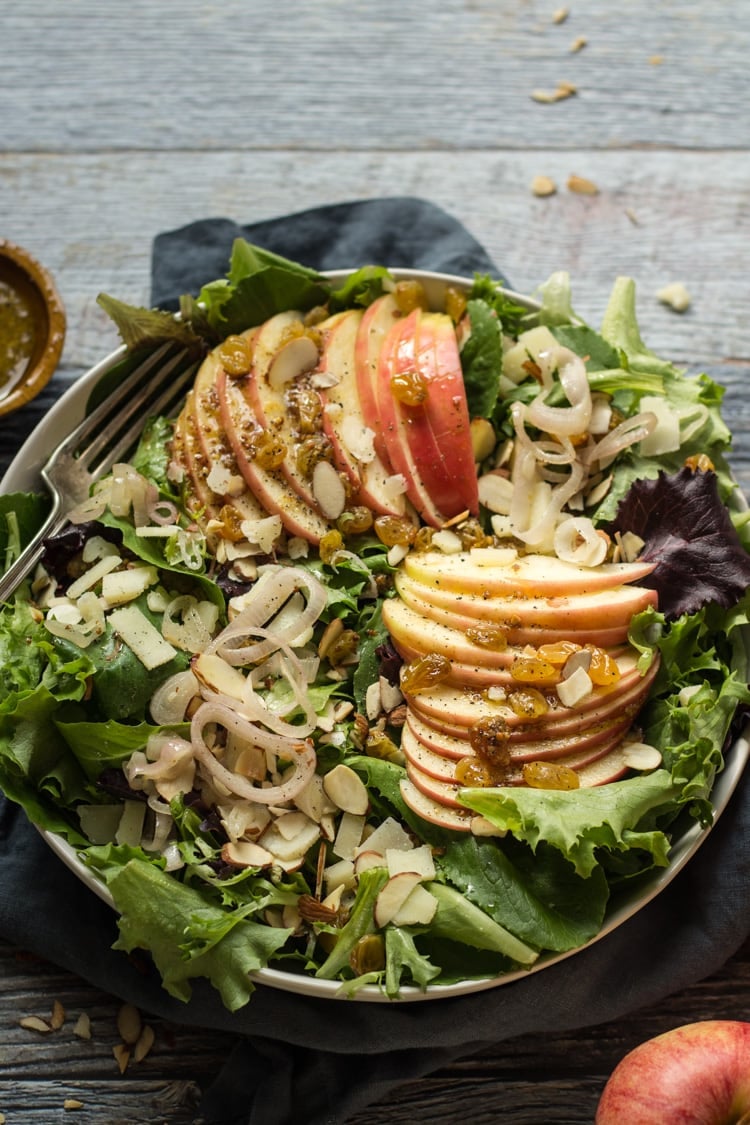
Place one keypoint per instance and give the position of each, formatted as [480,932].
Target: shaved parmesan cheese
[94,574]
[142,638]
[126,585]
[358,439]
[263,532]
[221,481]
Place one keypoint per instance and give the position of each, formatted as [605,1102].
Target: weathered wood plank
[389,76]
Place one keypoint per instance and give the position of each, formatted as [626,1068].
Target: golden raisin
[550,775]
[488,636]
[700,462]
[474,773]
[316,315]
[472,534]
[368,955]
[395,531]
[410,295]
[236,355]
[379,745]
[305,406]
[354,521]
[603,670]
[313,449]
[557,652]
[232,522]
[489,738]
[528,703]
[425,672]
[423,539]
[455,303]
[533,670]
[268,450]
[344,648]
[331,542]
[409,388]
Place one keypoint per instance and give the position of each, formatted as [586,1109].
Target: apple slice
[349,430]
[413,632]
[599,611]
[596,739]
[446,407]
[270,488]
[377,321]
[201,500]
[404,433]
[265,394]
[493,572]
[517,634]
[454,819]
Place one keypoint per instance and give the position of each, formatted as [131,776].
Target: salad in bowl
[400,659]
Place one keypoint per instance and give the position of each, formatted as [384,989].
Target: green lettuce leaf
[482,359]
[404,964]
[579,821]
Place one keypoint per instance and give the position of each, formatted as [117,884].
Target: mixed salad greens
[97,747]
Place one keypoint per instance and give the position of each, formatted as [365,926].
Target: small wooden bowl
[28,284]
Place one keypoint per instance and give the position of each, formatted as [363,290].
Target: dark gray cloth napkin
[318,1062]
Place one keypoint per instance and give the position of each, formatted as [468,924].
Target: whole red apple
[698,1074]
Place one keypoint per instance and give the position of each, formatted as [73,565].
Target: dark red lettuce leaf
[689,535]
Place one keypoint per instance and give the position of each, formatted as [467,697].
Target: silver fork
[110,431]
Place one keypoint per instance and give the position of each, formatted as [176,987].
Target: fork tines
[112,429]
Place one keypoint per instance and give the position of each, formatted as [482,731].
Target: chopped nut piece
[541,186]
[122,1055]
[129,1023]
[35,1023]
[675,295]
[82,1026]
[72,1103]
[578,44]
[313,910]
[144,1044]
[57,1019]
[560,15]
[581,186]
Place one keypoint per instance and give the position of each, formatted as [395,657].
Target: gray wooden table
[121,120]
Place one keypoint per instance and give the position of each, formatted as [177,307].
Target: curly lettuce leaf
[579,821]
[187,935]
[21,514]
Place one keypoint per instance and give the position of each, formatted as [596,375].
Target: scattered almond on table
[675,295]
[560,15]
[578,44]
[82,1028]
[35,1023]
[543,185]
[72,1103]
[564,90]
[581,186]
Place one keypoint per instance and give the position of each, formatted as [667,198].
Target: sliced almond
[122,1055]
[328,490]
[290,824]
[129,1024]
[82,1027]
[641,756]
[218,676]
[346,789]
[35,1023]
[72,1103]
[541,186]
[144,1044]
[579,185]
[57,1019]
[246,853]
[298,356]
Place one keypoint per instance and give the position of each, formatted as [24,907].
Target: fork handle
[30,555]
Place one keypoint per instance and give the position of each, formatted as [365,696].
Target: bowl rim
[38,373]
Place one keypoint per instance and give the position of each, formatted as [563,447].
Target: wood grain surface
[118,121]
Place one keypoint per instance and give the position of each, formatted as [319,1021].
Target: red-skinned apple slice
[271,489]
[454,819]
[403,434]
[185,450]
[495,572]
[516,634]
[349,431]
[455,746]
[377,321]
[454,710]
[446,408]
[267,402]
[602,610]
